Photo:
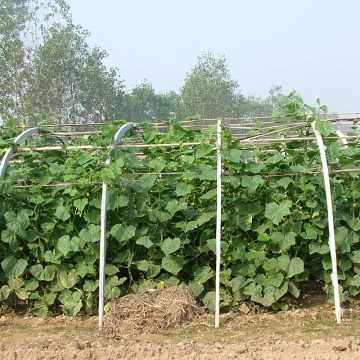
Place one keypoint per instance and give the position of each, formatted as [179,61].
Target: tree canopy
[48,72]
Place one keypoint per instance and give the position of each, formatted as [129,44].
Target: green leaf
[66,245]
[324,127]
[209,195]
[145,241]
[284,182]
[296,267]
[209,175]
[196,288]
[202,150]
[18,223]
[123,233]
[170,245]
[252,182]
[173,264]
[157,164]
[90,234]
[62,213]
[45,274]
[81,203]
[111,269]
[293,289]
[4,292]
[274,212]
[187,226]
[175,205]
[15,283]
[203,274]
[68,280]
[183,189]
[209,300]
[13,267]
[202,219]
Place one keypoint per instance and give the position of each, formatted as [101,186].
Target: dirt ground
[306,331]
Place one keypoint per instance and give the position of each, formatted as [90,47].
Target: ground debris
[151,311]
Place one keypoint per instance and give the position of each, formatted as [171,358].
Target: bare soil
[307,331]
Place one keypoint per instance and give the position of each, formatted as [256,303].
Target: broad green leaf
[123,233]
[209,175]
[285,241]
[81,203]
[293,289]
[209,195]
[62,213]
[255,168]
[252,182]
[45,274]
[170,245]
[211,244]
[202,219]
[90,234]
[13,267]
[157,164]
[237,283]
[172,264]
[187,226]
[111,269]
[66,245]
[17,222]
[175,205]
[275,212]
[276,279]
[234,155]
[161,215]
[284,182]
[196,288]
[203,150]
[4,292]
[203,274]
[145,241]
[15,283]
[22,294]
[107,175]
[183,189]
[68,280]
[296,267]
[209,300]
[324,127]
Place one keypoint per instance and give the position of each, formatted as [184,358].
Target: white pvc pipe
[332,243]
[5,160]
[218,227]
[117,137]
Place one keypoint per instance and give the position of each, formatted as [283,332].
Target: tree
[252,106]
[142,103]
[13,17]
[49,71]
[70,81]
[209,89]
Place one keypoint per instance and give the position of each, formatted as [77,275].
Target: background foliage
[161,218]
[49,73]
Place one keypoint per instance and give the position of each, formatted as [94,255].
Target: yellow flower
[320,241]
[20,248]
[229,258]
[23,126]
[5,149]
[87,194]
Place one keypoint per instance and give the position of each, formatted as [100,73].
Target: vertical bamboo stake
[218,226]
[332,244]
[117,137]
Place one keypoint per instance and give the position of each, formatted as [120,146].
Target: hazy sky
[312,46]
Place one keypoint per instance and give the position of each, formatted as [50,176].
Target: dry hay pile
[151,311]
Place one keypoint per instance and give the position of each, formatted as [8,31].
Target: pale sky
[312,46]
